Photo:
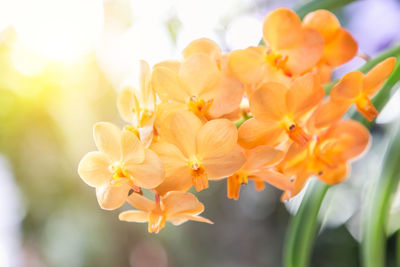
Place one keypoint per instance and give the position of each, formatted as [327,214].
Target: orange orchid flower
[339,44]
[278,110]
[354,88]
[259,168]
[138,107]
[326,155]
[291,50]
[121,164]
[194,153]
[199,85]
[176,207]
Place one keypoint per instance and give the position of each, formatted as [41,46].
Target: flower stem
[310,6]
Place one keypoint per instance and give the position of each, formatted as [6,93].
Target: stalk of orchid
[181,130]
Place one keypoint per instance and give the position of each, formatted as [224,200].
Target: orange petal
[181,129]
[107,137]
[349,86]
[299,182]
[375,78]
[132,148]
[222,167]
[248,65]
[312,45]
[181,218]
[140,202]
[330,112]
[93,169]
[199,73]
[340,49]
[253,133]
[233,187]
[216,138]
[343,141]
[324,22]
[274,178]
[148,174]
[334,175]
[282,28]
[262,156]
[126,104]
[145,85]
[175,203]
[173,65]
[113,195]
[134,216]
[268,103]
[177,171]
[203,45]
[304,94]
[167,85]
[226,96]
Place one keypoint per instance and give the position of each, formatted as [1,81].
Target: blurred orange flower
[176,207]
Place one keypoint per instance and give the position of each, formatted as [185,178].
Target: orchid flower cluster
[181,131]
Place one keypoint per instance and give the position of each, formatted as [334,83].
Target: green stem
[375,221]
[310,6]
[398,248]
[392,52]
[304,225]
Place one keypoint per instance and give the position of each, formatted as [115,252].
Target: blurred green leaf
[377,211]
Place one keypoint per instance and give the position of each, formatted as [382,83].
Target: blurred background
[61,65]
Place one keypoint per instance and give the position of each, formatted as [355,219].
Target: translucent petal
[140,202]
[282,28]
[199,73]
[274,178]
[134,216]
[262,156]
[180,129]
[203,45]
[324,22]
[132,148]
[113,195]
[306,53]
[168,86]
[222,167]
[330,112]
[375,78]
[176,202]
[216,138]
[253,133]
[268,103]
[226,96]
[248,65]
[93,169]
[148,174]
[107,137]
[304,94]
[349,86]
[340,49]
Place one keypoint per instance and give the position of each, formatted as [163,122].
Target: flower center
[278,61]
[120,173]
[199,175]
[199,107]
[295,132]
[365,106]
[235,182]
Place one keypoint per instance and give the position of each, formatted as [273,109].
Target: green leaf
[378,207]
